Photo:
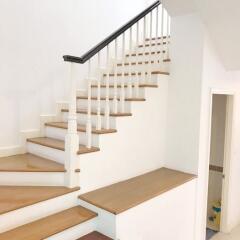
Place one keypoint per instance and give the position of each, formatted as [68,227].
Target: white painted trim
[225,228]
[10,150]
[227,158]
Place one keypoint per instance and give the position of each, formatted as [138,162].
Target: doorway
[219,161]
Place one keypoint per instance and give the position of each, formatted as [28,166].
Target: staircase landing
[122,196]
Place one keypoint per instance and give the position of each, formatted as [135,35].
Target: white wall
[195,70]
[34,36]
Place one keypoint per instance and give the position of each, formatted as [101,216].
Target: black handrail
[112,37]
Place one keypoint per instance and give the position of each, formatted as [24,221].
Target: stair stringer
[137,147]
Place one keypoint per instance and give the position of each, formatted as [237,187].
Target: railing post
[122,95]
[115,100]
[71,138]
[99,120]
[89,108]
[130,66]
[107,104]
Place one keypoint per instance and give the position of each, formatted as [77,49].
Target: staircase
[87,166]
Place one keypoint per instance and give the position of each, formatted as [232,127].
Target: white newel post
[72,138]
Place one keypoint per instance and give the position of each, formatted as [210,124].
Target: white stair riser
[151,48]
[111,92]
[46,152]
[140,58]
[75,232]
[32,178]
[36,211]
[82,104]
[143,79]
[82,119]
[59,133]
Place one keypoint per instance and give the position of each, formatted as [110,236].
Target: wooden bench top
[122,196]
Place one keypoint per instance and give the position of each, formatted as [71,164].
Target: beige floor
[235,235]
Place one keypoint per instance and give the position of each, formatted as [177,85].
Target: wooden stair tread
[60,145]
[158,38]
[141,63]
[29,163]
[146,53]
[51,225]
[84,111]
[147,85]
[80,128]
[95,236]
[111,98]
[152,45]
[134,73]
[15,197]
[122,196]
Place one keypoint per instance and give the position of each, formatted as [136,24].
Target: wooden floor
[60,145]
[29,163]
[12,198]
[95,236]
[50,225]
[122,196]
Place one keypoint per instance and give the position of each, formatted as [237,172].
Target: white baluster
[168,36]
[89,108]
[122,95]
[99,122]
[130,66]
[144,48]
[72,138]
[150,49]
[115,99]
[107,103]
[157,29]
[137,81]
[162,35]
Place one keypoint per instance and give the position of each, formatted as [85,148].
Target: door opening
[221,122]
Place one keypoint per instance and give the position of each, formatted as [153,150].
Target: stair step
[152,45]
[140,63]
[158,38]
[29,163]
[146,53]
[95,236]
[16,197]
[51,225]
[84,111]
[60,145]
[111,98]
[122,196]
[125,86]
[80,128]
[134,73]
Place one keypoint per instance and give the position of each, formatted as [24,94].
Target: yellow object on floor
[216,218]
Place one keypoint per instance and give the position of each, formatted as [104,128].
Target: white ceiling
[222,19]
